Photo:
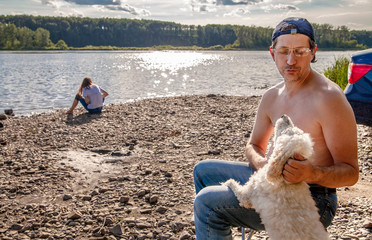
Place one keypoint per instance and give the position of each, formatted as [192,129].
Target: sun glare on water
[174,61]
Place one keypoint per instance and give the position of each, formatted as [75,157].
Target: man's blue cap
[293,25]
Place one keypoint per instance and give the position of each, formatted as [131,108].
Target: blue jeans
[216,208]
[85,105]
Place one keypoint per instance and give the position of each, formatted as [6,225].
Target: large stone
[66,197]
[9,112]
[75,215]
[116,230]
[16,227]
[161,210]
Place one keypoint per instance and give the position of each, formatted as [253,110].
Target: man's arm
[340,135]
[255,155]
[256,147]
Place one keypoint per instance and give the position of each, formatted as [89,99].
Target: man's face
[286,55]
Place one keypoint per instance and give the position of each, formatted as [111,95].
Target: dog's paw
[230,183]
[240,193]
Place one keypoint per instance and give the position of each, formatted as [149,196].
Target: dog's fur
[287,210]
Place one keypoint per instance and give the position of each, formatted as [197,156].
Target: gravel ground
[127,173]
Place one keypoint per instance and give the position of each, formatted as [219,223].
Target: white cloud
[285,7]
[129,9]
[95,2]
[55,3]
[103,5]
[238,12]
[237,2]
[202,6]
[336,15]
[70,13]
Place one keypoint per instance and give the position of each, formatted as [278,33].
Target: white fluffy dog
[287,210]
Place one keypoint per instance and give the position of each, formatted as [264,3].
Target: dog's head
[288,140]
[285,126]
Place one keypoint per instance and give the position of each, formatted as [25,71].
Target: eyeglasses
[298,52]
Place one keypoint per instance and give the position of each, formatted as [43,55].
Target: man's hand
[297,169]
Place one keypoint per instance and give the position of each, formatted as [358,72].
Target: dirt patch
[362,189]
[89,167]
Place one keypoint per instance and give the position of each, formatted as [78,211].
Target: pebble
[74,215]
[116,230]
[154,199]
[141,193]
[9,112]
[66,197]
[161,210]
[124,199]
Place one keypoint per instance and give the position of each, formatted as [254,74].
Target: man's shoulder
[330,99]
[327,90]
[270,96]
[274,90]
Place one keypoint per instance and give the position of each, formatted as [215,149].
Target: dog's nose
[284,116]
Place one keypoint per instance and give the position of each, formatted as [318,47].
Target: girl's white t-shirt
[95,96]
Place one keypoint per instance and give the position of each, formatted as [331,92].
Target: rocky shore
[127,173]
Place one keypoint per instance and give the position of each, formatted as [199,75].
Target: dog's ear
[283,150]
[277,159]
[273,172]
[275,166]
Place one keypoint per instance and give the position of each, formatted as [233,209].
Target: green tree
[61,45]
[26,36]
[41,38]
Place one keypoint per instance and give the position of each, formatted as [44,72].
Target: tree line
[38,32]
[12,37]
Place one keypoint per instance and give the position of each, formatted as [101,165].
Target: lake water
[34,82]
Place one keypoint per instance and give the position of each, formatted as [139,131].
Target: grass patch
[338,72]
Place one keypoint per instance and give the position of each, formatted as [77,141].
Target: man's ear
[315,49]
[272,53]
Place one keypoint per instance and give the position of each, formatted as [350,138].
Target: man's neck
[291,88]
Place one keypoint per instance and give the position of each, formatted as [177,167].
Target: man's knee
[215,197]
[200,174]
[203,167]
[198,169]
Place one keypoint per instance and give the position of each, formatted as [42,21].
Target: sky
[355,14]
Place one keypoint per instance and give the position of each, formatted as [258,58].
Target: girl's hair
[86,83]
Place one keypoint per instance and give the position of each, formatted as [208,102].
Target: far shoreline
[163,48]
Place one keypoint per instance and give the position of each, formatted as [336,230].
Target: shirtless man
[317,106]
